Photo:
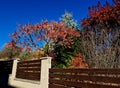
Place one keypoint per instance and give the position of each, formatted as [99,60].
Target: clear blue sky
[14,12]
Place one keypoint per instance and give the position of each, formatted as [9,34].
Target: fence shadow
[4,80]
[5,70]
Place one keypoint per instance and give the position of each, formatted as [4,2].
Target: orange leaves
[57,32]
[34,35]
[103,14]
[27,29]
[44,26]
[29,49]
[10,44]
[77,62]
[35,27]
[37,39]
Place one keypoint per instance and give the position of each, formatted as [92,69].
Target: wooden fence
[29,70]
[6,66]
[84,78]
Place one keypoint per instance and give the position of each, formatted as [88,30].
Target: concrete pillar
[14,69]
[13,75]
[45,65]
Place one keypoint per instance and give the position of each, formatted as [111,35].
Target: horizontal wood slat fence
[84,78]
[29,70]
[6,66]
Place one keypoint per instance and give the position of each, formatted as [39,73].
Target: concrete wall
[22,83]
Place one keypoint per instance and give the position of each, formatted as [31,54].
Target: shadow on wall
[5,70]
[4,80]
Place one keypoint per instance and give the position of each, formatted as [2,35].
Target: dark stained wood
[90,71]
[56,86]
[30,61]
[87,78]
[29,70]
[84,78]
[79,84]
[29,65]
[6,66]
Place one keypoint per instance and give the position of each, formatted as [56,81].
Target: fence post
[14,69]
[45,65]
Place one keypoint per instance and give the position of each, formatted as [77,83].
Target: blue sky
[14,12]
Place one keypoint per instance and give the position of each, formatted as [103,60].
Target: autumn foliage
[97,42]
[33,36]
[101,35]
[107,14]
[78,62]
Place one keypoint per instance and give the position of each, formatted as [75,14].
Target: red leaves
[29,49]
[103,14]
[27,29]
[37,39]
[14,35]
[59,33]
[32,35]
[10,44]
[44,25]
[35,27]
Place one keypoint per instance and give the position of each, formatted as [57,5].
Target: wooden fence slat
[90,71]
[79,84]
[30,61]
[87,78]
[29,70]
[28,77]
[56,86]
[29,65]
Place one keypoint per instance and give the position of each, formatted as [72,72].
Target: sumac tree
[47,35]
[35,36]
